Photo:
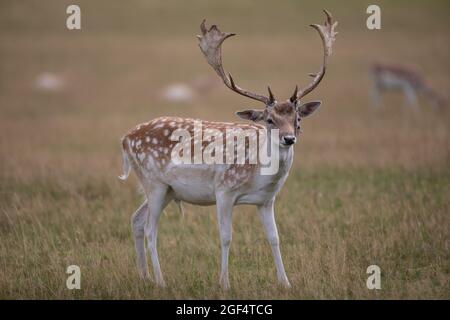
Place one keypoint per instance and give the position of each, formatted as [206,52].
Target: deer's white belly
[198,185]
[203,192]
[392,82]
[201,183]
[192,183]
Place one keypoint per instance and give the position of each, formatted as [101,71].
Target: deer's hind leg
[158,196]
[410,95]
[375,93]
[138,221]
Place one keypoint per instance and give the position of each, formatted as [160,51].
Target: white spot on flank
[147,139]
[166,132]
[155,141]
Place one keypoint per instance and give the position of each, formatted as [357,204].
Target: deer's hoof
[285,284]
[225,285]
[144,276]
[161,284]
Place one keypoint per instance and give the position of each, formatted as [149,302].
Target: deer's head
[283,115]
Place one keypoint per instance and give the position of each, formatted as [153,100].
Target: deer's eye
[269,121]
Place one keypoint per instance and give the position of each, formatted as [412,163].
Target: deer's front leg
[266,213]
[224,219]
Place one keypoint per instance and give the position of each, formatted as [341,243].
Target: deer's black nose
[288,140]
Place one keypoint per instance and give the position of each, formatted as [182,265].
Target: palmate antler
[328,36]
[211,41]
[210,44]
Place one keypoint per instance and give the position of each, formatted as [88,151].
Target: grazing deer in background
[148,149]
[390,77]
[189,91]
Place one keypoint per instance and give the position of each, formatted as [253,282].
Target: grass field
[367,187]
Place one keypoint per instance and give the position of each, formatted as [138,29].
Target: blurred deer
[188,91]
[148,150]
[394,77]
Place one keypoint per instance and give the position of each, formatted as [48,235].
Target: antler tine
[294,95]
[328,36]
[203,27]
[210,44]
[271,96]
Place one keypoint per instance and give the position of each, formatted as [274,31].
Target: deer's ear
[308,108]
[253,115]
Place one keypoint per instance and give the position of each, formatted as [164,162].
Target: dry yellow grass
[367,187]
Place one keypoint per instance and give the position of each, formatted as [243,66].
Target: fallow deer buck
[148,149]
[396,77]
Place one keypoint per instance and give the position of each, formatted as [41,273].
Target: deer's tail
[126,167]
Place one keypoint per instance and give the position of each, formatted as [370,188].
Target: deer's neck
[286,156]
[263,188]
[285,162]
[274,182]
